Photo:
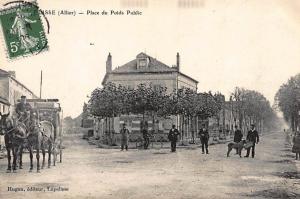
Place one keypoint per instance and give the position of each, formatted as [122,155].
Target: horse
[48,142]
[14,138]
[34,141]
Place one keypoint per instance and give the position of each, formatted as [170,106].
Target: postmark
[23,30]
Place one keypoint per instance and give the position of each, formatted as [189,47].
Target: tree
[191,106]
[249,106]
[147,100]
[287,100]
[106,103]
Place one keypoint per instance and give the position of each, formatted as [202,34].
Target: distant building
[223,123]
[144,69]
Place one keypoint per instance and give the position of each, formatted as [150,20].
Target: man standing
[237,136]
[146,137]
[124,137]
[253,137]
[204,137]
[173,134]
[23,110]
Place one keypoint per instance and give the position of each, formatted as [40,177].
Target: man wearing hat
[237,136]
[23,110]
[253,137]
[124,137]
[204,137]
[173,136]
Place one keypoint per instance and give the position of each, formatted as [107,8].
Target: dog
[239,146]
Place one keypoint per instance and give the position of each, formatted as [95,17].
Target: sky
[254,44]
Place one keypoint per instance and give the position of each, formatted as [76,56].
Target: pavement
[91,172]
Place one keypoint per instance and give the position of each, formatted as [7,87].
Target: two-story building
[144,69]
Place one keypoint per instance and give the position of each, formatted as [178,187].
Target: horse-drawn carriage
[49,111]
[40,130]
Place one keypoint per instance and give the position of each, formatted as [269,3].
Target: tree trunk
[296,121]
[109,132]
[106,131]
[292,123]
[113,130]
[153,123]
[182,128]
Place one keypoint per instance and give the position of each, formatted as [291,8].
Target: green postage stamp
[23,30]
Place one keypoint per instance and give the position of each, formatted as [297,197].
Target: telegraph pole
[41,83]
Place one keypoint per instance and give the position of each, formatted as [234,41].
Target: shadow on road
[274,193]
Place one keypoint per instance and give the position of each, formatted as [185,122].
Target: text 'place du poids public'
[114,12]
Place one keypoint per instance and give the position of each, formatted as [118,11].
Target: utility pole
[41,83]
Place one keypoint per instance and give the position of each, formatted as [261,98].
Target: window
[143,63]
[157,87]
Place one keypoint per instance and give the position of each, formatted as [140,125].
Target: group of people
[252,136]
[174,133]
[124,132]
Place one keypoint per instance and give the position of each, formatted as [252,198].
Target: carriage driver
[23,110]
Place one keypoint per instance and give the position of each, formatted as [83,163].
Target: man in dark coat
[237,136]
[173,136]
[204,137]
[23,110]
[124,137]
[253,137]
[146,137]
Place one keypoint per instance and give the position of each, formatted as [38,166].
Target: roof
[3,72]
[154,66]
[4,101]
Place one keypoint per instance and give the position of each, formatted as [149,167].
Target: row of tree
[251,107]
[287,100]
[155,102]
[246,106]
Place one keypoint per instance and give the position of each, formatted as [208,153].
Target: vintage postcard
[163,99]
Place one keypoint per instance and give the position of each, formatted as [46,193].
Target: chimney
[12,73]
[108,64]
[178,61]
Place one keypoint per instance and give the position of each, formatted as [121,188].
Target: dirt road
[90,172]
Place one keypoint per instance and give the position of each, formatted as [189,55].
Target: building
[11,90]
[222,125]
[144,69]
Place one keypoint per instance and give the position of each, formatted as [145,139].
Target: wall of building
[4,108]
[164,79]
[184,82]
[4,88]
[133,80]
[16,90]
[160,128]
